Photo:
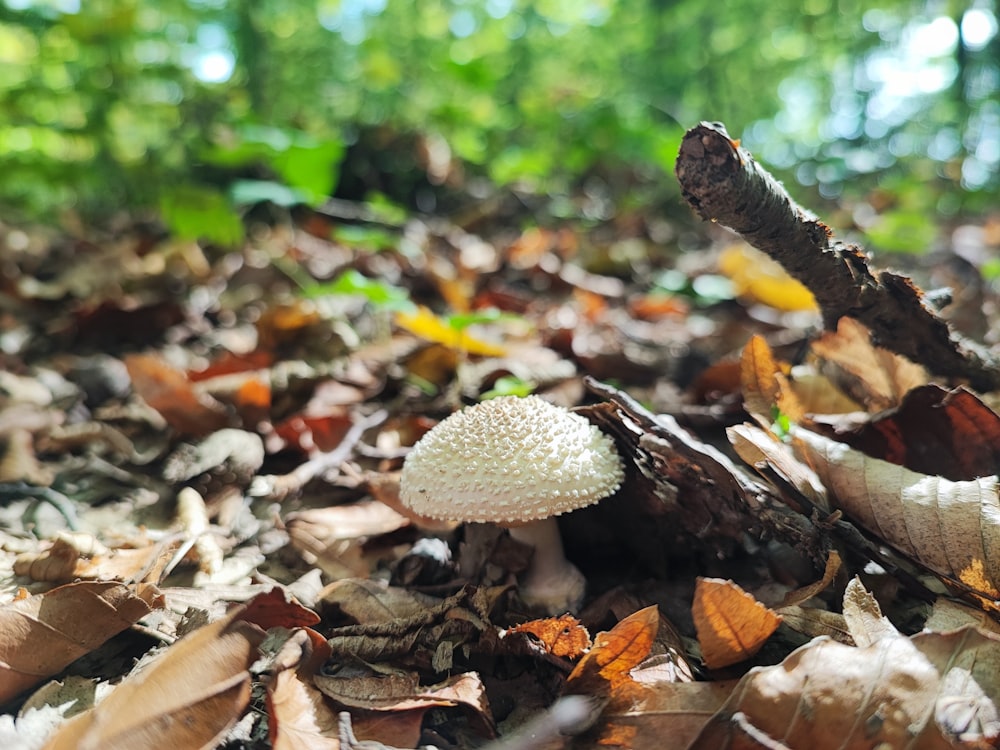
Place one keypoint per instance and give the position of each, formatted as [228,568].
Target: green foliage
[508,385]
[381,294]
[115,102]
[199,212]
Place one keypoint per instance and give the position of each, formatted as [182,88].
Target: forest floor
[201,532]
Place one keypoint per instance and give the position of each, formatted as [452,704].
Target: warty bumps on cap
[508,460]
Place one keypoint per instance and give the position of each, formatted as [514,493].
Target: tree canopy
[200,106]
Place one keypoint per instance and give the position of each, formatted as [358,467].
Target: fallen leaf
[168,391]
[870,375]
[765,385]
[756,276]
[41,634]
[659,712]
[864,618]
[427,325]
[949,433]
[187,698]
[560,636]
[614,654]
[926,692]
[732,626]
[948,527]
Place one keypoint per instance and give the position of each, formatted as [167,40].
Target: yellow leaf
[429,326]
[761,279]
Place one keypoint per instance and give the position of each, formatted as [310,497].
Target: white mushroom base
[552,584]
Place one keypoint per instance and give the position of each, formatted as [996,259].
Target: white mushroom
[516,462]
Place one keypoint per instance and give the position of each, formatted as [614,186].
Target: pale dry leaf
[864,618]
[948,614]
[928,692]
[872,376]
[952,528]
[760,448]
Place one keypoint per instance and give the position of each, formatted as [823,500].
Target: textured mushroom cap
[509,459]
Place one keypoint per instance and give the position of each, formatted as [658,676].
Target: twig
[280,486]
[724,184]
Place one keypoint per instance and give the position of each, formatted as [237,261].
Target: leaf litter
[200,522]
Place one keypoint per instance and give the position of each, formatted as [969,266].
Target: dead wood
[724,184]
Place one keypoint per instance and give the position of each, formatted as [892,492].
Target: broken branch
[724,184]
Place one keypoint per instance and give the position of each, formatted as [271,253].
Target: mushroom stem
[552,583]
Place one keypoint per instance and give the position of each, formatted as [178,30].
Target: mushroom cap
[507,460]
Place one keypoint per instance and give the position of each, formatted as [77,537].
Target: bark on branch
[724,184]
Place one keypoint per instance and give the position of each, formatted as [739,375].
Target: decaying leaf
[658,714]
[952,528]
[864,617]
[732,626]
[78,556]
[40,635]
[333,538]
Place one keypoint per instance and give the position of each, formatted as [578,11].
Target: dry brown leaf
[817,393]
[333,538]
[872,376]
[952,528]
[732,626]
[948,614]
[615,653]
[41,634]
[950,433]
[653,713]
[299,717]
[187,698]
[800,595]
[79,556]
[928,692]
[169,392]
[403,692]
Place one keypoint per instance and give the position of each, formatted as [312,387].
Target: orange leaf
[764,384]
[168,391]
[560,636]
[615,653]
[731,625]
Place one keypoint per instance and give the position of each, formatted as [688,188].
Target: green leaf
[508,385]
[197,212]
[903,232]
[461,321]
[379,293]
[249,192]
[373,238]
